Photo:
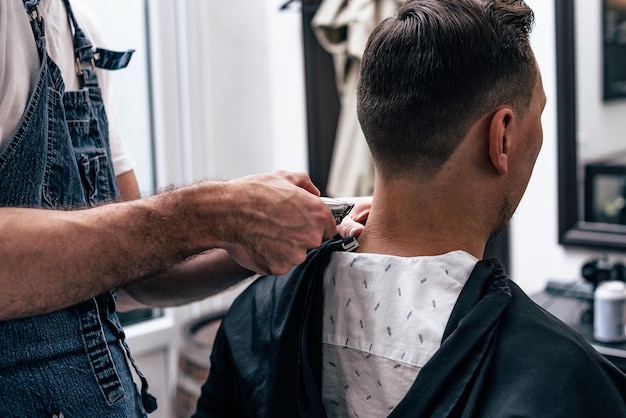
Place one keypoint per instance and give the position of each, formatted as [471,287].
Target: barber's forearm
[54,259]
[195,279]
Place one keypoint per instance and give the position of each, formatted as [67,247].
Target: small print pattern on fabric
[384,318]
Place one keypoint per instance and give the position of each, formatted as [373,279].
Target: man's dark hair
[435,67]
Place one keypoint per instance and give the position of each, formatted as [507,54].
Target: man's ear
[499,131]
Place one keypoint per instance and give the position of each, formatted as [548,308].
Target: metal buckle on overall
[79,67]
[35,15]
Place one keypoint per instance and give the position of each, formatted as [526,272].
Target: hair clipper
[338,208]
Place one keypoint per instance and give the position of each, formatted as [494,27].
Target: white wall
[241,95]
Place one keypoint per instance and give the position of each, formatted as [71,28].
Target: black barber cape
[501,355]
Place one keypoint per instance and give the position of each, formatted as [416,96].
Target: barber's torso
[72,361]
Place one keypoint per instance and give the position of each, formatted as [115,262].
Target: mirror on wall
[591,111]
[614,48]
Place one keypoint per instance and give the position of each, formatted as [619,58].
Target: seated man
[413,322]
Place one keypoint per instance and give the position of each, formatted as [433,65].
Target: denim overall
[72,362]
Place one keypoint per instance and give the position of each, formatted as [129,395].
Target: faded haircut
[429,72]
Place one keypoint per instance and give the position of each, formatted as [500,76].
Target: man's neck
[402,226]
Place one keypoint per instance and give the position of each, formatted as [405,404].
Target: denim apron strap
[88,58]
[149,401]
[97,349]
[30,5]
[36,23]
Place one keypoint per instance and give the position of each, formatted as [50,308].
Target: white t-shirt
[384,318]
[19,66]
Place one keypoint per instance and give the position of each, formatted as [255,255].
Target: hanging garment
[342,28]
[501,355]
[72,362]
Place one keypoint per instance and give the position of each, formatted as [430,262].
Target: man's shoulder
[527,330]
[525,313]
[534,355]
[554,355]
[533,332]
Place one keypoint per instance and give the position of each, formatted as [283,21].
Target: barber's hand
[354,223]
[282,217]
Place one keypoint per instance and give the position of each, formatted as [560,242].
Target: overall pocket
[93,163]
